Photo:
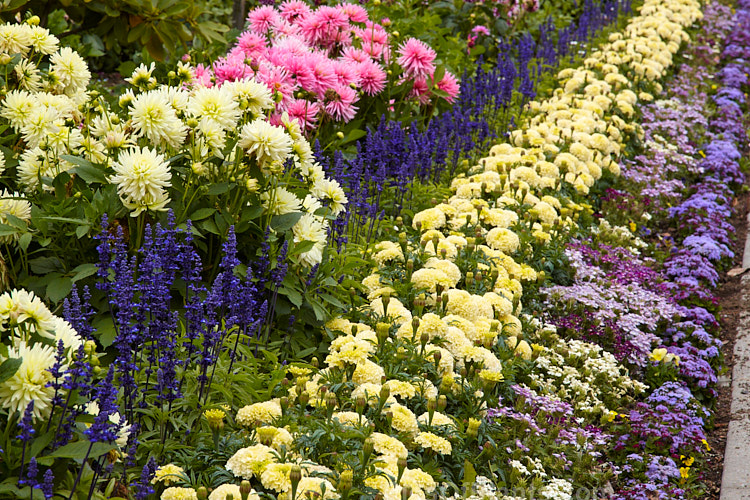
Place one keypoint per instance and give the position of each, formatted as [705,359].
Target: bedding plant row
[459,371]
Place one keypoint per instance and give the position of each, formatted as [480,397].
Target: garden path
[735,484]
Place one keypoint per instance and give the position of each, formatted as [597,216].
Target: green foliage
[117,28]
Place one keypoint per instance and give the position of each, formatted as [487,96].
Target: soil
[730,299]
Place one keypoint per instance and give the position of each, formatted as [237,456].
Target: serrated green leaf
[105,330]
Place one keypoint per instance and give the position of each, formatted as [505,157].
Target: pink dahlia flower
[371,77]
[262,19]
[339,102]
[449,85]
[305,112]
[416,58]
[292,10]
[355,13]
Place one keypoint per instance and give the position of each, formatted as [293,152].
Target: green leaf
[306,352]
[209,225]
[15,221]
[353,136]
[6,230]
[293,295]
[45,265]
[41,443]
[24,241]
[9,367]
[220,188]
[470,475]
[79,449]
[285,222]
[126,68]
[332,300]
[439,74]
[86,170]
[202,213]
[58,288]
[302,247]
[105,330]
[84,271]
[82,231]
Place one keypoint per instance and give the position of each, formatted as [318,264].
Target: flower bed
[456,367]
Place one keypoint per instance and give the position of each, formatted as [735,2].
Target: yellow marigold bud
[215,418]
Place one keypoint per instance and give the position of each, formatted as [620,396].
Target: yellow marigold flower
[370,391]
[368,371]
[168,474]
[523,349]
[215,417]
[401,389]
[386,251]
[175,493]
[389,446]
[432,218]
[250,461]
[428,279]
[276,477]
[223,491]
[259,413]
[419,480]
[313,487]
[428,440]
[403,419]
[503,239]
[438,419]
[297,371]
[350,418]
[491,375]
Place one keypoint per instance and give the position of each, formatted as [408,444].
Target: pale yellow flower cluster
[23,315]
